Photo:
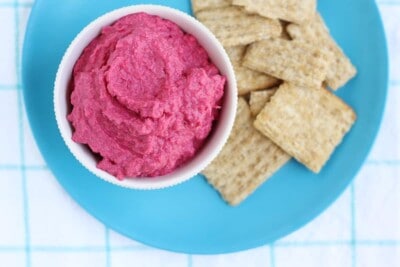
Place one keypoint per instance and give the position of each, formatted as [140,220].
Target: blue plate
[191,217]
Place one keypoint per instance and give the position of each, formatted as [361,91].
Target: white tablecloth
[40,225]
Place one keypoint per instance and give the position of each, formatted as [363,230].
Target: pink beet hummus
[144,97]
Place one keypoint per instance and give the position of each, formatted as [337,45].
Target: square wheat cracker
[258,99]
[316,32]
[308,123]
[246,161]
[248,80]
[198,5]
[297,11]
[233,26]
[292,61]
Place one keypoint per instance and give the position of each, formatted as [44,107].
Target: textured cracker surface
[236,53]
[292,61]
[316,32]
[198,5]
[307,123]
[248,80]
[246,161]
[258,99]
[297,11]
[233,26]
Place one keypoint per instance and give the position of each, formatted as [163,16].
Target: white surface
[361,229]
[8,118]
[7,32]
[12,224]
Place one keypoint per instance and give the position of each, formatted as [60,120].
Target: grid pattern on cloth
[362,228]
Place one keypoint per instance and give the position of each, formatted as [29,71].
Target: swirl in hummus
[144,97]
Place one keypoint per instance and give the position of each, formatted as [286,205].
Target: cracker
[236,53]
[258,99]
[297,11]
[233,26]
[316,32]
[307,123]
[198,5]
[248,80]
[246,161]
[292,61]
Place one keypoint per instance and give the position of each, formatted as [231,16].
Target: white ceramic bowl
[220,133]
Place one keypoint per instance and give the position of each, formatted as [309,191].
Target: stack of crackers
[286,65]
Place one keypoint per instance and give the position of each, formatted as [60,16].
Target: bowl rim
[230,96]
